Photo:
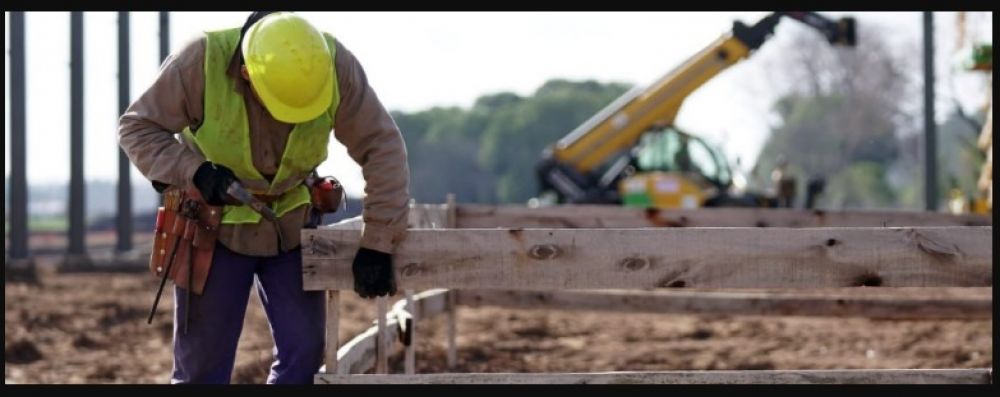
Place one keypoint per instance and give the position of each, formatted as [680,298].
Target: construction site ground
[91,328]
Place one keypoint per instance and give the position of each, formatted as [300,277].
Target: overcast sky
[420,60]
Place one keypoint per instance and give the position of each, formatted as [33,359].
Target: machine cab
[674,169]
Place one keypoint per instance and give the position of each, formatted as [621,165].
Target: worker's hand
[373,273]
[212,180]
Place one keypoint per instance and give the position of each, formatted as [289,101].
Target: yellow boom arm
[619,125]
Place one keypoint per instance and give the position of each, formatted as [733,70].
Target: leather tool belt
[186,217]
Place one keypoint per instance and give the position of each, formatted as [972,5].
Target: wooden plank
[975,304]
[607,216]
[452,357]
[332,330]
[382,342]
[333,304]
[847,376]
[542,259]
[355,223]
[358,355]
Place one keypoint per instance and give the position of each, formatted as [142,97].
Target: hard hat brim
[295,114]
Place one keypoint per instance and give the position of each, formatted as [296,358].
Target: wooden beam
[607,216]
[332,330]
[383,342]
[845,376]
[452,310]
[542,259]
[355,223]
[976,303]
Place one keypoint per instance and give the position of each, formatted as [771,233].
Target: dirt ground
[91,328]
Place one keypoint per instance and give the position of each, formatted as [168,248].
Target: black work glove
[373,273]
[212,180]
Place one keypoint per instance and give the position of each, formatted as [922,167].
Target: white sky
[419,60]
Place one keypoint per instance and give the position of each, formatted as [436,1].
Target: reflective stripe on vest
[224,135]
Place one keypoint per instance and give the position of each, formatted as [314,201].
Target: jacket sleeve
[373,140]
[173,102]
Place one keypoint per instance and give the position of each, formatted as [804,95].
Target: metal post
[930,127]
[17,214]
[124,184]
[452,297]
[76,255]
[164,35]
[164,44]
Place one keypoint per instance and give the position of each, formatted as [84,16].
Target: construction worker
[257,105]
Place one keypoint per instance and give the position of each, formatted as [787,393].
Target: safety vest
[224,135]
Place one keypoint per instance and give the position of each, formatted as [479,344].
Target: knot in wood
[634,264]
[411,270]
[544,251]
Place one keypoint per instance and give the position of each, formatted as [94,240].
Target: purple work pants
[207,352]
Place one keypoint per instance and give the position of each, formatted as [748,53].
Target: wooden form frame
[533,268]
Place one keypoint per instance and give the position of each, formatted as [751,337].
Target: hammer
[240,193]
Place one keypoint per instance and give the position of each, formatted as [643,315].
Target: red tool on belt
[327,196]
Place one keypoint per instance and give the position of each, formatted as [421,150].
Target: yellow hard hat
[290,67]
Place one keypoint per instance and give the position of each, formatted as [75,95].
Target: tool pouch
[198,234]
